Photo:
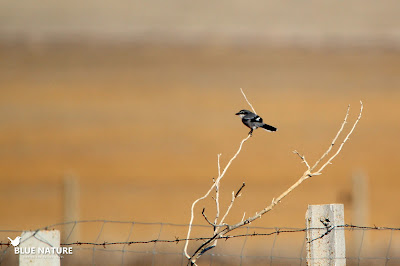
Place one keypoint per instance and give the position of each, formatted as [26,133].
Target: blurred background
[117,110]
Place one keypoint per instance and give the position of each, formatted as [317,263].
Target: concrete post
[325,245]
[32,241]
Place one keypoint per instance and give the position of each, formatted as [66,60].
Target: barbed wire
[164,244]
[277,231]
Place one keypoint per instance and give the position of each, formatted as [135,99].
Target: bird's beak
[237,114]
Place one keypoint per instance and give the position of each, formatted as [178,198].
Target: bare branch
[240,189]
[216,185]
[219,164]
[205,217]
[209,191]
[308,174]
[344,141]
[334,140]
[234,196]
[244,95]
[244,214]
[303,158]
[217,193]
[208,244]
[229,208]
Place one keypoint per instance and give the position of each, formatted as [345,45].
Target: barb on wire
[274,231]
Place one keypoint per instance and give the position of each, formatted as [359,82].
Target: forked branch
[215,185]
[221,229]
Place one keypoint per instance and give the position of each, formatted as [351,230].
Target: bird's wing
[252,121]
[254,118]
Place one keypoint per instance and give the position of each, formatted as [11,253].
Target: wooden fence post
[325,245]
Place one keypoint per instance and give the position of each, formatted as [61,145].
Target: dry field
[141,126]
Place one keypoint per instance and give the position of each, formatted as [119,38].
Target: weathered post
[325,242]
[31,244]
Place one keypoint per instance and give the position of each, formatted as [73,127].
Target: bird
[15,242]
[253,121]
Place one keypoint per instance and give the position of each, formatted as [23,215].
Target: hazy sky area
[357,22]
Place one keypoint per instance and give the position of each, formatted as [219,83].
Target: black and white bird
[253,121]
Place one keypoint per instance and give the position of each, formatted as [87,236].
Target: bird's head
[243,112]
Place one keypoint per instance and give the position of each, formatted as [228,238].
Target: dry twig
[244,95]
[217,180]
[216,184]
[221,229]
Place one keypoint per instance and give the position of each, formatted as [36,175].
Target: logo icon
[16,241]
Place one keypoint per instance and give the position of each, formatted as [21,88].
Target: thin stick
[234,196]
[308,174]
[344,141]
[205,217]
[276,201]
[217,193]
[303,158]
[219,164]
[240,189]
[334,140]
[216,185]
[209,191]
[244,95]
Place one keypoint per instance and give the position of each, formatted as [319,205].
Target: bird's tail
[269,128]
[9,238]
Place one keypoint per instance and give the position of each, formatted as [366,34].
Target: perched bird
[15,242]
[253,121]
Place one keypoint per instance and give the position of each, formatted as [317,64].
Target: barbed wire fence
[107,242]
[104,242]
